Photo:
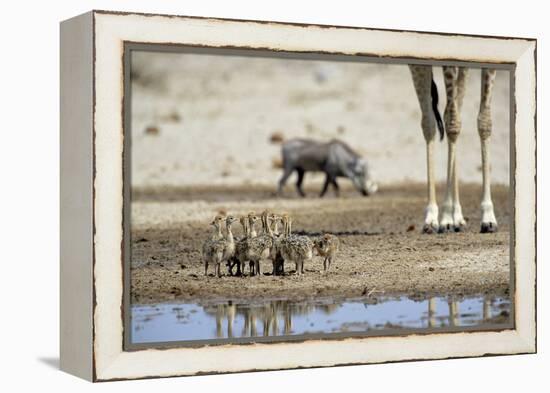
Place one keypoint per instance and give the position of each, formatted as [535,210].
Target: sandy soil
[382,249]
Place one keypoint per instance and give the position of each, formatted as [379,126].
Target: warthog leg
[299,182]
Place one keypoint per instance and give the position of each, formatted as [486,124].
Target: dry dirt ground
[382,248]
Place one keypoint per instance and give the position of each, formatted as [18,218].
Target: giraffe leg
[458,218]
[484,126]
[451,214]
[422,79]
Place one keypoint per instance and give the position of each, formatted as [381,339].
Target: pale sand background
[215,116]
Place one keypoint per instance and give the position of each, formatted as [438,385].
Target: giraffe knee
[484,125]
[453,131]
[453,124]
[428,127]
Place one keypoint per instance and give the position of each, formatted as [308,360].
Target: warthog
[335,158]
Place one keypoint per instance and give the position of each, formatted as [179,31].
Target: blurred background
[218,120]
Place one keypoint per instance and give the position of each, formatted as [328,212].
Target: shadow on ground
[52,362]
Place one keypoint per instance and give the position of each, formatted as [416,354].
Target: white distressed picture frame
[92,153]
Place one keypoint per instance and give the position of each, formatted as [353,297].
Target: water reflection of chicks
[275,317]
[222,311]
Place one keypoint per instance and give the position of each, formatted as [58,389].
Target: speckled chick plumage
[277,237]
[327,245]
[215,236]
[219,248]
[295,248]
[241,247]
[259,247]
[229,240]
[213,247]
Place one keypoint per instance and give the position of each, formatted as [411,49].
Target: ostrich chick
[211,248]
[295,248]
[217,251]
[259,247]
[241,246]
[327,246]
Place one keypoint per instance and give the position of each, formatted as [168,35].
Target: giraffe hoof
[460,227]
[450,228]
[488,227]
[430,228]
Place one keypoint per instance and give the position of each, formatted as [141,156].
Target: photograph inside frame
[280,198]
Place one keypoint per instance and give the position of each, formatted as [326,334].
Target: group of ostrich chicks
[268,244]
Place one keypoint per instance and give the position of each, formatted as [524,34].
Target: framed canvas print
[244,195]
